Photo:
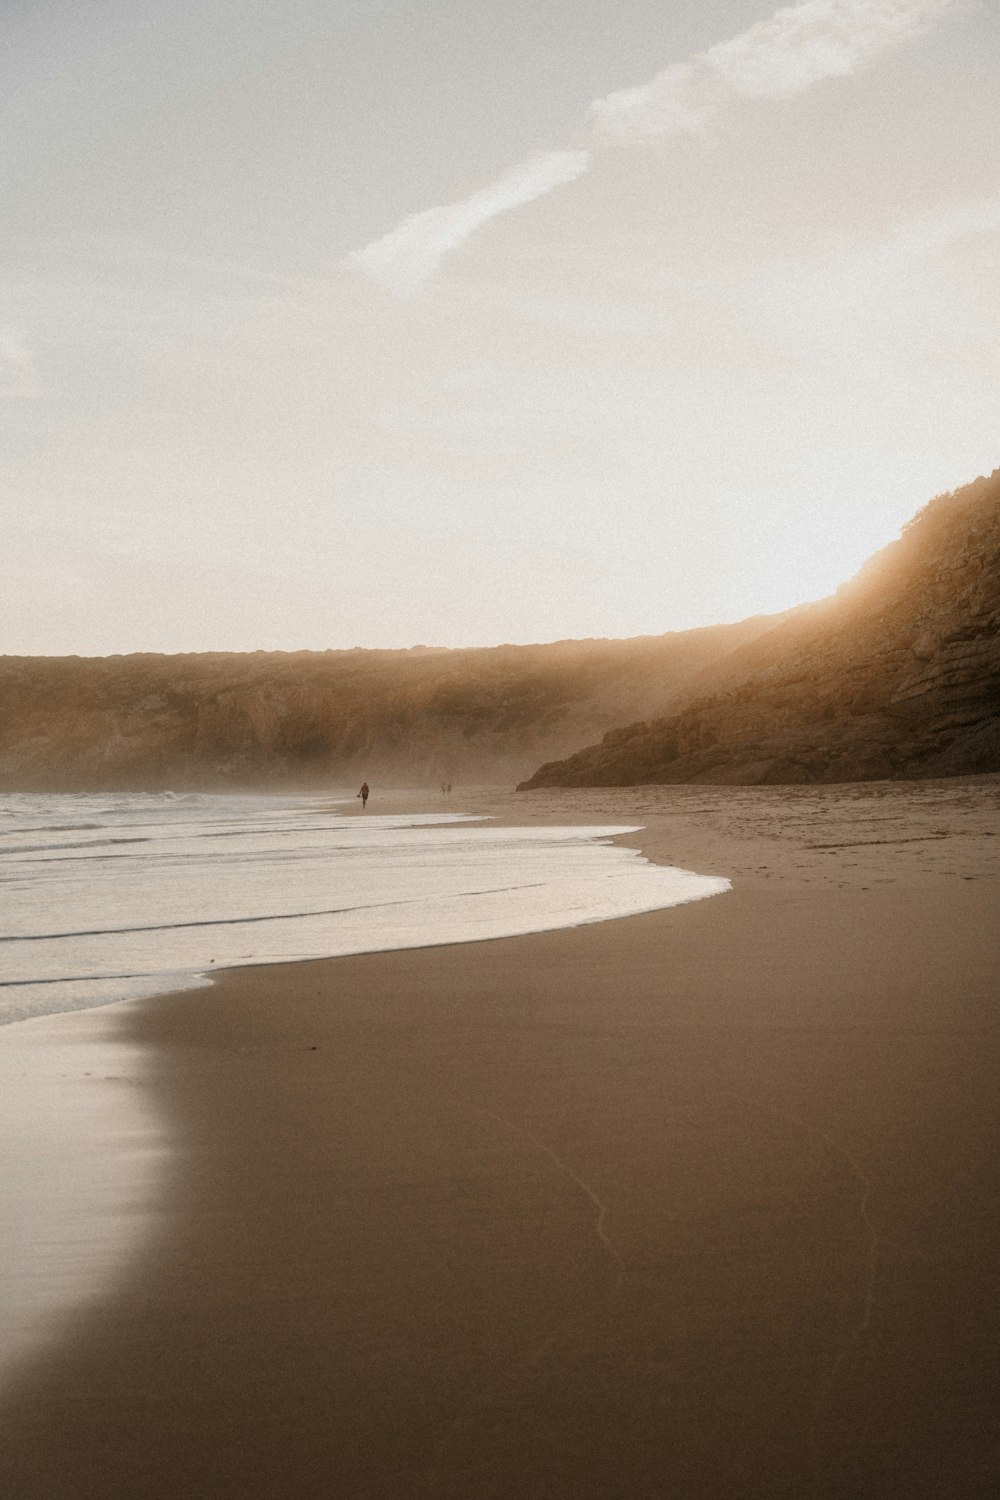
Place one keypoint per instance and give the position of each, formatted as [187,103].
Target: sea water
[108,898]
[113,897]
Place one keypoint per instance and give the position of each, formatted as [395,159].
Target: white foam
[115,898]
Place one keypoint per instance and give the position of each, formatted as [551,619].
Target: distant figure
[363,794]
[448,787]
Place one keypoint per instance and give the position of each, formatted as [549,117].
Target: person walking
[363,794]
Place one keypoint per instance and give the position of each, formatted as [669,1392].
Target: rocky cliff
[311,718]
[897,675]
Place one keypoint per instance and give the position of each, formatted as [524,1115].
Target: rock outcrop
[307,719]
[895,676]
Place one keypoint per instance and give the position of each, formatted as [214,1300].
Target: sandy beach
[697,1204]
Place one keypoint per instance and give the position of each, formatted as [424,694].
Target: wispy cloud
[403,259]
[793,49]
[790,51]
[924,236]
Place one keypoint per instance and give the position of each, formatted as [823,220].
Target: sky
[460,322]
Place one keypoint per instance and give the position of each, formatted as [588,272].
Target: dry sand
[695,1204]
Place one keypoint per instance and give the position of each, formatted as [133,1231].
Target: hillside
[897,675]
[416,717]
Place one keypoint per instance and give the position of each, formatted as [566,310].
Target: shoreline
[407,811]
[82,1158]
[700,1201]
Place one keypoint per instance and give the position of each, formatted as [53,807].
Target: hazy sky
[376,322]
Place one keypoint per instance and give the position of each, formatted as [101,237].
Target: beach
[696,1203]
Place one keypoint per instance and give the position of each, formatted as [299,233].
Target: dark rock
[897,675]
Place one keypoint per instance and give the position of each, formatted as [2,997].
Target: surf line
[281,916]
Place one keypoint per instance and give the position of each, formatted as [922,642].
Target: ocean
[107,898]
[111,897]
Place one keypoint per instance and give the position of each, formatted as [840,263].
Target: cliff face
[310,718]
[897,675]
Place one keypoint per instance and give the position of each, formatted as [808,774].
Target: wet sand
[695,1204]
